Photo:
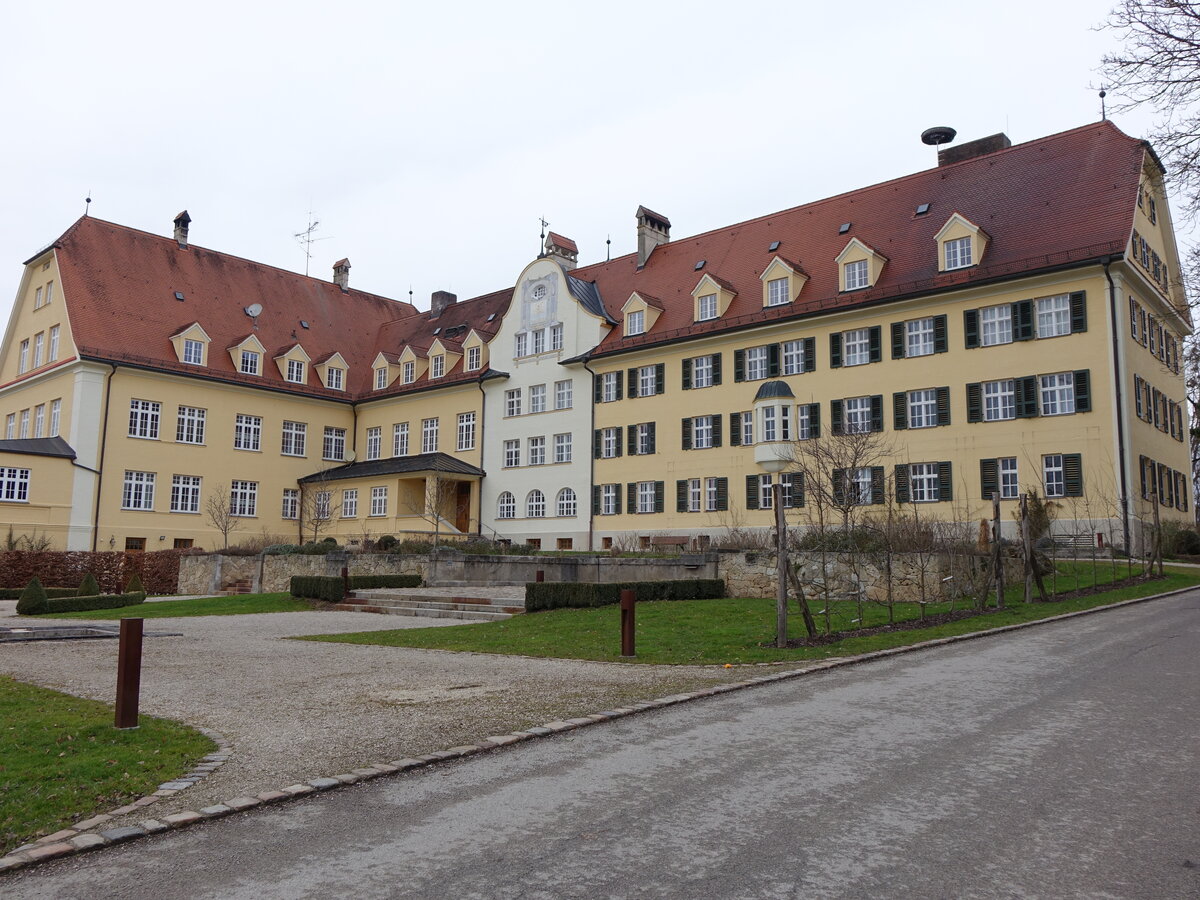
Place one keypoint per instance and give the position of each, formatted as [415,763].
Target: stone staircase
[244,586]
[479,603]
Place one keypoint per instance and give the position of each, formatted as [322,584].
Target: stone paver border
[82,837]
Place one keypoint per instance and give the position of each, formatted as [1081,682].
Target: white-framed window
[53,354]
[335,378]
[1007,468]
[474,358]
[702,372]
[922,408]
[793,357]
[918,335]
[24,424]
[14,484]
[537,398]
[521,345]
[243,498]
[143,419]
[706,307]
[37,294]
[1058,394]
[375,442]
[564,394]
[291,504]
[860,484]
[437,366]
[996,324]
[350,503]
[512,402]
[250,362]
[139,491]
[39,420]
[189,425]
[1054,316]
[247,432]
[635,322]
[804,422]
[537,451]
[1052,475]
[748,427]
[567,503]
[55,416]
[562,448]
[556,337]
[693,495]
[609,499]
[702,432]
[766,499]
[333,446]
[379,501]
[958,253]
[535,505]
[293,438]
[777,291]
[857,415]
[999,401]
[645,497]
[409,372]
[193,351]
[610,442]
[400,439]
[857,344]
[322,505]
[185,493]
[756,363]
[10,427]
[23,358]
[608,386]
[295,371]
[770,425]
[857,274]
[644,438]
[512,454]
[539,341]
[39,345]
[429,435]
[506,506]
[381,377]
[49,293]
[712,494]
[466,431]
[647,382]
[923,482]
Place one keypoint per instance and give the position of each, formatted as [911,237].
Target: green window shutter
[835,351]
[751,492]
[660,378]
[875,343]
[597,388]
[901,484]
[772,360]
[632,378]
[596,500]
[814,419]
[1137,397]
[945,481]
[617,500]
[681,495]
[652,427]
[897,340]
[975,402]
[686,439]
[739,365]
[716,368]
[1022,313]
[619,374]
[1025,396]
[839,487]
[631,496]
[876,484]
[989,477]
[940,344]
[900,410]
[618,448]
[735,429]
[1142,474]
[631,442]
[716,429]
[1073,474]
[597,443]
[722,494]
[659,488]
[797,489]
[687,374]
[810,354]
[835,416]
[877,412]
[1083,390]
[1078,311]
[971,327]
[943,405]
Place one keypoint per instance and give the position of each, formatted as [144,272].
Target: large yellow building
[1010,320]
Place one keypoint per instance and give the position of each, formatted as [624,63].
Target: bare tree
[316,509]
[219,513]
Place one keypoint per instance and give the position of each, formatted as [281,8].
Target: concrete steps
[437,603]
[245,586]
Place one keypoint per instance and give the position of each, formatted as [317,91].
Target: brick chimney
[562,250]
[439,300]
[971,149]
[181,228]
[652,230]
[341,274]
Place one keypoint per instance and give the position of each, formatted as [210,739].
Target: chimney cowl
[438,302]
[181,229]
[652,229]
[341,274]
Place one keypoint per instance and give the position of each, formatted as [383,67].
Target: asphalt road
[1059,761]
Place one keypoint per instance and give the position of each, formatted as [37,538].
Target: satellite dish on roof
[254,310]
[349,456]
[938,134]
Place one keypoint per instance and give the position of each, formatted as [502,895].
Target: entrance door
[462,507]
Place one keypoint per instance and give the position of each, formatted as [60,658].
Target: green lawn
[236,605]
[61,760]
[698,632]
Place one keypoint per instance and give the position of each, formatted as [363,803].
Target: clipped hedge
[99,601]
[578,595]
[15,593]
[384,581]
[331,588]
[33,599]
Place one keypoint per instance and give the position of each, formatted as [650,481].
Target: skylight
[700,265]
[774,246]
[843,228]
[179,295]
[922,209]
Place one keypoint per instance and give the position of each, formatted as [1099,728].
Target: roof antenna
[306,238]
[1103,111]
[608,249]
[542,242]
[87,203]
[938,135]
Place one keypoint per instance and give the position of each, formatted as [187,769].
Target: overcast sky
[429,139]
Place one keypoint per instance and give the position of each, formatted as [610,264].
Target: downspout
[591,456]
[482,446]
[1119,395]
[100,469]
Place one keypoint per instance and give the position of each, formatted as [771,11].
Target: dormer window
[958,253]
[473,358]
[193,352]
[295,371]
[251,362]
[706,307]
[857,275]
[635,322]
[961,243]
[437,366]
[334,378]
[381,378]
[777,292]
[410,372]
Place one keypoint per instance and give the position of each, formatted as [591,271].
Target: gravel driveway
[295,710]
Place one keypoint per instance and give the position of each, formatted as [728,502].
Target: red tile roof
[565,242]
[1058,200]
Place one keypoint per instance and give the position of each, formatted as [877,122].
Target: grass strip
[235,605]
[61,760]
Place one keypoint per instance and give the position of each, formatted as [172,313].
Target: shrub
[329,540]
[1180,540]
[315,548]
[411,546]
[135,585]
[331,589]
[386,543]
[577,595]
[99,601]
[88,587]
[33,599]
[281,549]
[15,593]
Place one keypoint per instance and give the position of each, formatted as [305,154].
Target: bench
[1085,541]
[666,540]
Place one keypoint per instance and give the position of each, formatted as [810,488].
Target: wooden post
[1026,548]
[628,603]
[781,563]
[997,551]
[129,673]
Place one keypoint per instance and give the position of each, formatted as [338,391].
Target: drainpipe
[1114,324]
[482,448]
[103,446]
[590,437]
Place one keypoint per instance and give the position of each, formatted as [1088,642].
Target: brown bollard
[345,583]
[628,599]
[539,576]
[129,673]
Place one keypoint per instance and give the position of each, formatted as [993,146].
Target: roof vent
[774,246]
[181,229]
[843,228]
[341,274]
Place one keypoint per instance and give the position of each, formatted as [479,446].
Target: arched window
[535,505]
[506,508]
[566,502]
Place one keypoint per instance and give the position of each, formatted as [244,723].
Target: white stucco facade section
[84,433]
[542,301]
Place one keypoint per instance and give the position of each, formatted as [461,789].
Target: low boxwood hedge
[97,601]
[15,593]
[384,581]
[556,595]
[331,588]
